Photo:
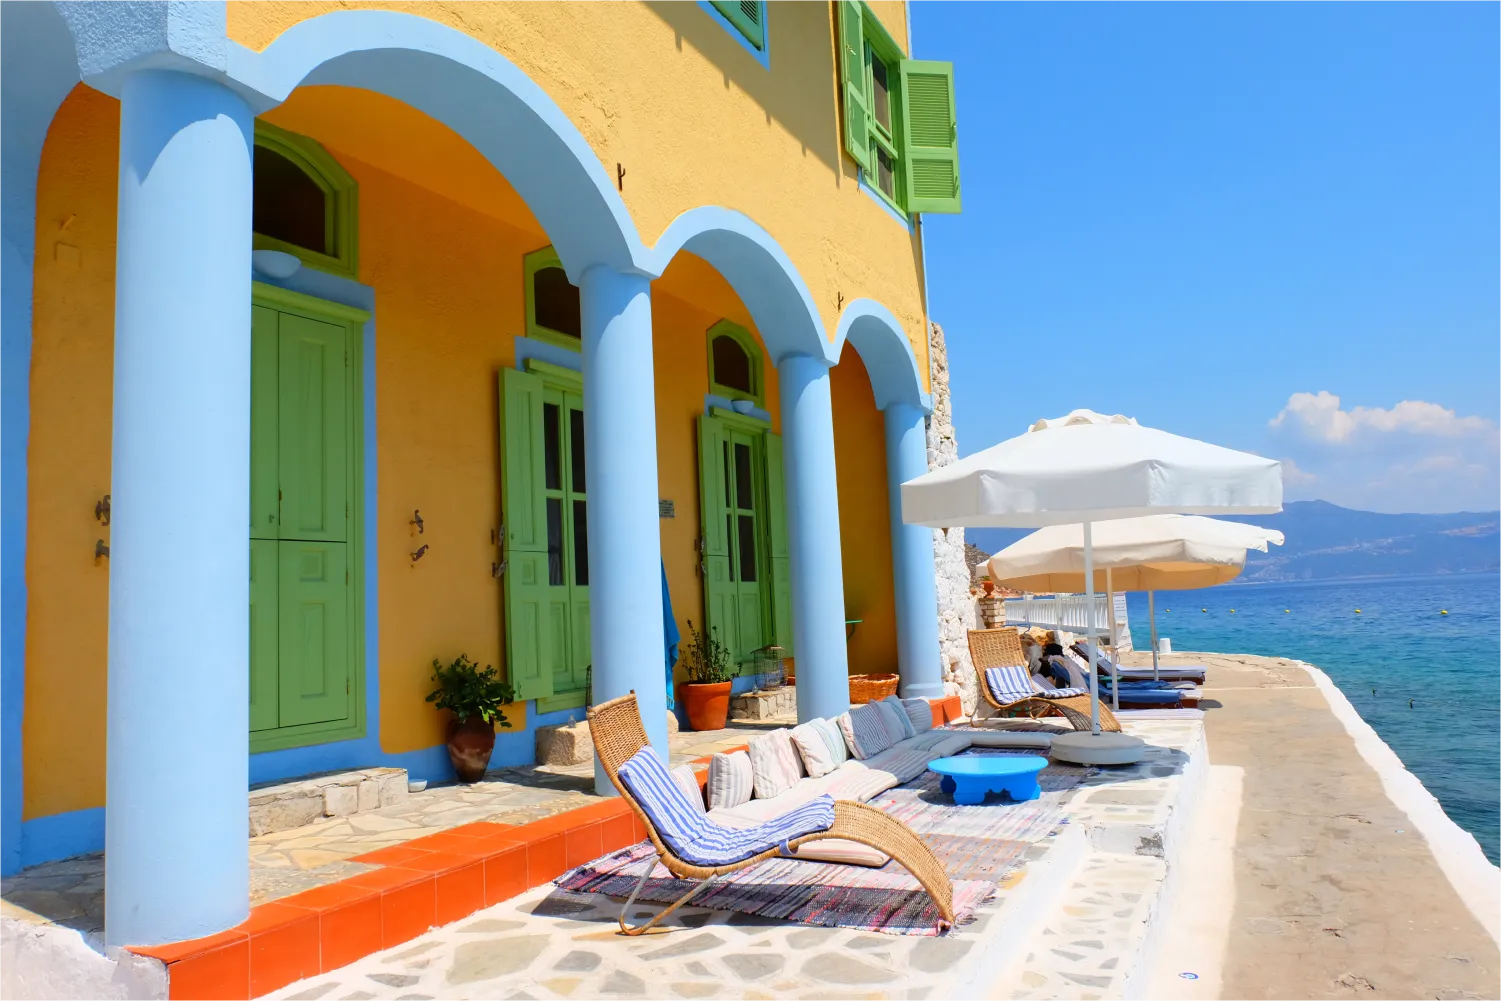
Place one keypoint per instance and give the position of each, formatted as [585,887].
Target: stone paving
[70,892]
[1071,926]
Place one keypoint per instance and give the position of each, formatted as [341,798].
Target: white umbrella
[1159,552]
[1084,468]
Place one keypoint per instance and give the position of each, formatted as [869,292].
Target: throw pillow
[839,751]
[730,780]
[683,775]
[919,714]
[817,758]
[894,715]
[774,764]
[864,731]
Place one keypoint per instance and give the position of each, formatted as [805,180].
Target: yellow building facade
[526,285]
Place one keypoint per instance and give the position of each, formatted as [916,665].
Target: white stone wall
[956,608]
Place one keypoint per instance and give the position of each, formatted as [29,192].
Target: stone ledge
[285,805]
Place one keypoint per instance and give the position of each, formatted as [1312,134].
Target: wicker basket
[871,687]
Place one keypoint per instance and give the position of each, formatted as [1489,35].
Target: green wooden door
[745,509]
[715,556]
[565,507]
[301,454]
[313,630]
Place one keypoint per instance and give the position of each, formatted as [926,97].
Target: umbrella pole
[1152,614]
[1094,680]
[1115,654]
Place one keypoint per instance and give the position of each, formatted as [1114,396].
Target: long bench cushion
[759,811]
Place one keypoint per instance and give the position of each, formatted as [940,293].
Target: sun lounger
[693,847]
[1133,694]
[1011,687]
[1174,672]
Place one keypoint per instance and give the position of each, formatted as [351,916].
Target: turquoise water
[1399,648]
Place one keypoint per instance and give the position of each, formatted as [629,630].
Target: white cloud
[1318,416]
[1415,456]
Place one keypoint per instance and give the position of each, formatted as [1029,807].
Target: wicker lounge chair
[990,648]
[618,734]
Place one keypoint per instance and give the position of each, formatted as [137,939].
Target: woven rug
[978,845]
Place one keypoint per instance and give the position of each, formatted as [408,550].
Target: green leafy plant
[706,660]
[468,690]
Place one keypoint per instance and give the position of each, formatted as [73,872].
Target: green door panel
[779,571]
[521,466]
[529,625]
[720,614]
[314,632]
[532,633]
[313,443]
[264,324]
[265,711]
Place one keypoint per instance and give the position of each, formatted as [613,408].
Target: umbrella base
[1098,748]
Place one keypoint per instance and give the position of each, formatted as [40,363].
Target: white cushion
[731,780]
[775,766]
[814,749]
[839,751]
[684,776]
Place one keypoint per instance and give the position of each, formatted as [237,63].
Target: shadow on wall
[799,92]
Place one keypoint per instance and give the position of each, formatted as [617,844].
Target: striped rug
[978,845]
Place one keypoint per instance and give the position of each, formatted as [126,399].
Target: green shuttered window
[747,17]
[900,125]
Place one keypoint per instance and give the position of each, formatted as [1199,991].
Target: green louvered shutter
[720,590]
[930,153]
[779,569]
[524,524]
[852,77]
[748,17]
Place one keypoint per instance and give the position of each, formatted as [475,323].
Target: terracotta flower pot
[470,742]
[708,706]
[989,586]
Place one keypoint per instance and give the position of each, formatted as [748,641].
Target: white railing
[1070,612]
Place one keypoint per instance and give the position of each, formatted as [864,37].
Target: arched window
[552,302]
[734,363]
[305,203]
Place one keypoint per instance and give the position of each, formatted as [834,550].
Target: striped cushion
[864,731]
[1009,684]
[810,744]
[775,766]
[731,780]
[919,714]
[839,751]
[687,781]
[894,718]
[695,838]
[1062,693]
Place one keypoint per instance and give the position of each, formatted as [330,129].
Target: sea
[1428,682]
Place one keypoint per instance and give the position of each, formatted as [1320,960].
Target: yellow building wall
[448,288]
[664,90]
[864,517]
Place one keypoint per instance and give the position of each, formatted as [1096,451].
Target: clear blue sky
[1189,213]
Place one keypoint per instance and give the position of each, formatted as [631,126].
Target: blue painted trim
[761,55]
[723,403]
[881,200]
[481,95]
[62,835]
[872,330]
[38,67]
[532,349]
[758,270]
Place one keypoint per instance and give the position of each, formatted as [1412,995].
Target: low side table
[969,777]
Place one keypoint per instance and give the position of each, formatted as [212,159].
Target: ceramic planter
[707,706]
[470,742]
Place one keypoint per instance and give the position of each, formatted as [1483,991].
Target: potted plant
[475,696]
[706,693]
[988,585]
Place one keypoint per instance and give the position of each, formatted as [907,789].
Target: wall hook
[497,570]
[101,551]
[839,300]
[101,511]
[419,554]
[417,520]
[620,176]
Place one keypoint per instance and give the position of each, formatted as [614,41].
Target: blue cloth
[670,634]
[695,838]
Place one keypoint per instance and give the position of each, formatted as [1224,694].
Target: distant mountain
[1327,542]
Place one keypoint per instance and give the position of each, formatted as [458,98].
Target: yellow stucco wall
[448,284]
[663,89]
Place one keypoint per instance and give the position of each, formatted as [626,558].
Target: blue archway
[872,330]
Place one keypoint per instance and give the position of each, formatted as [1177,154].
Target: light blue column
[916,590]
[179,595]
[620,454]
[819,650]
